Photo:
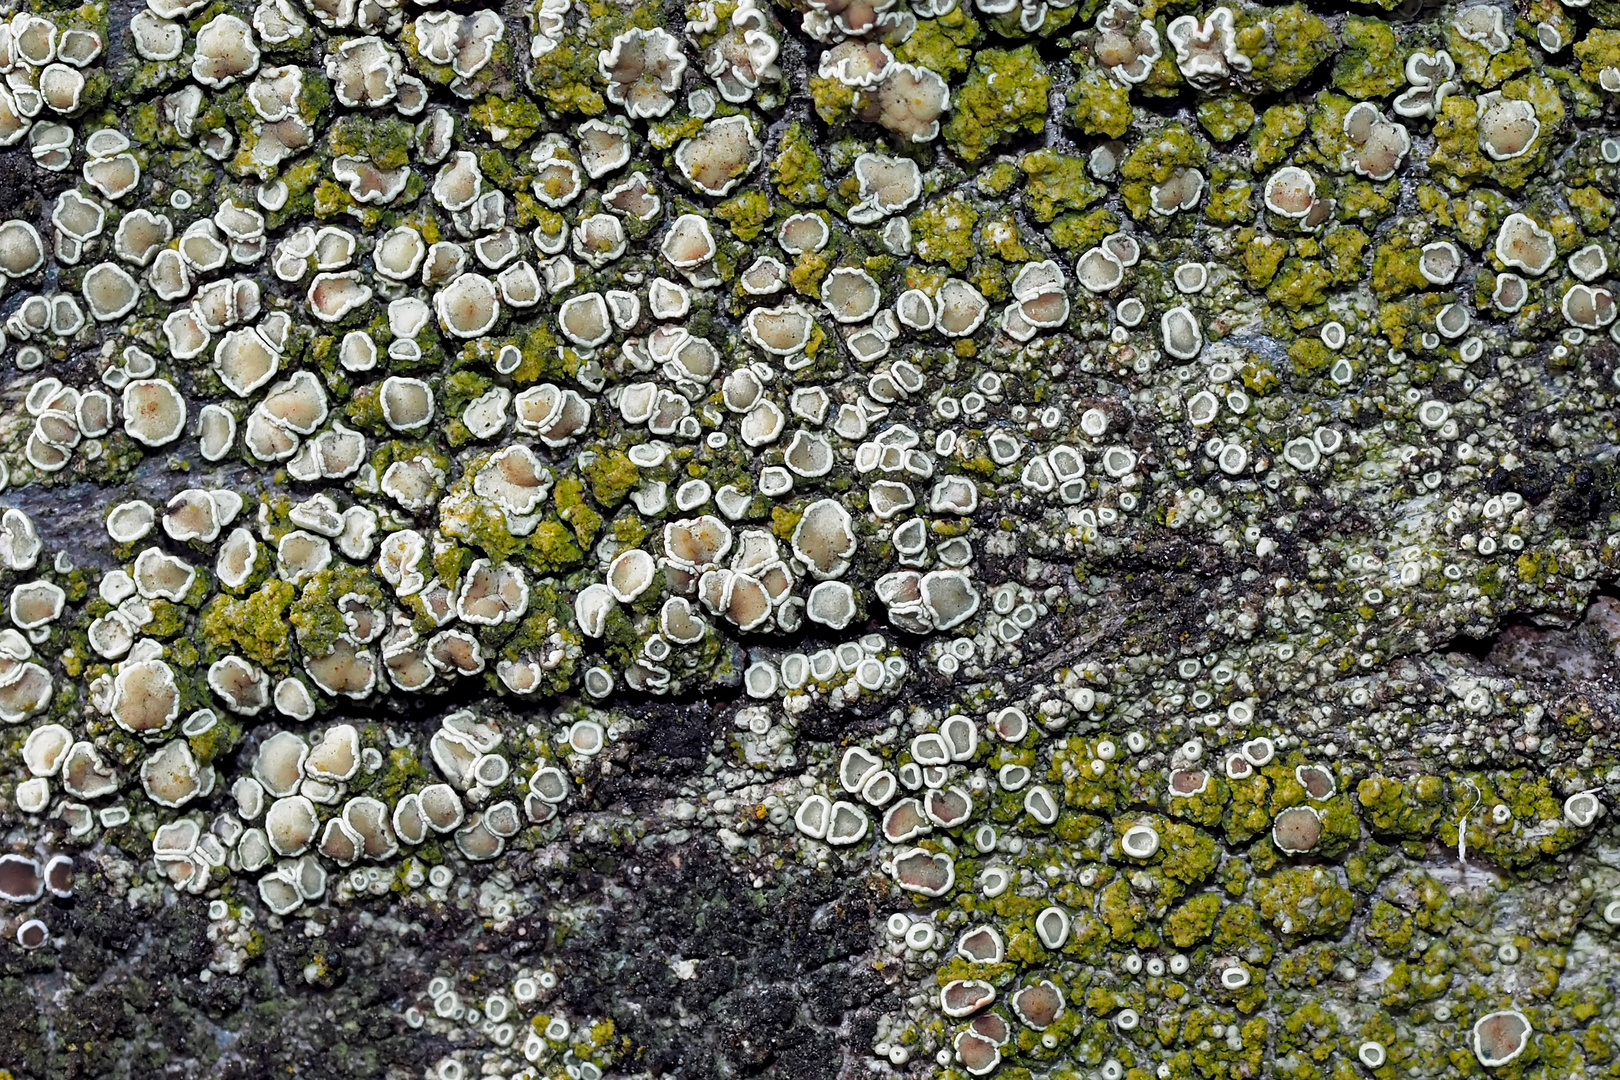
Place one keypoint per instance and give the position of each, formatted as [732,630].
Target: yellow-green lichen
[1005,94]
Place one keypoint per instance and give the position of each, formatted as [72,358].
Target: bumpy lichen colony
[915,538]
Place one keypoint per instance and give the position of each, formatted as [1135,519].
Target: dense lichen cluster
[1131,485]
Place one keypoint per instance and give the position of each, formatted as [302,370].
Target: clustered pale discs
[1063,442]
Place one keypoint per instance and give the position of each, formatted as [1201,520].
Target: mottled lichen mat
[853,538]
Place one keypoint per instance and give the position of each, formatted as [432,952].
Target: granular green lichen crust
[928,538]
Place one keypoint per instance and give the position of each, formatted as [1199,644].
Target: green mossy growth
[1395,268]
[1194,921]
[1154,160]
[254,627]
[1226,118]
[1305,901]
[943,232]
[1099,105]
[944,44]
[834,101]
[611,474]
[569,498]
[746,213]
[806,273]
[1190,854]
[1594,209]
[1478,65]
[1240,933]
[999,235]
[387,141]
[1371,64]
[1310,359]
[461,388]
[1260,256]
[509,122]
[1005,94]
[553,548]
[1286,45]
[217,742]
[1058,183]
[1126,917]
[1280,128]
[1300,283]
[997,179]
[1460,162]
[314,613]
[544,358]
[1596,50]
[1246,815]
[1077,232]
[1230,200]
[1390,929]
[565,79]
[1345,248]
[797,170]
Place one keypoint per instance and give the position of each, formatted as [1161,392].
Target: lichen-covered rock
[1005,95]
[809,539]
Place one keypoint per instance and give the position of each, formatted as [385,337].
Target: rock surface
[817,540]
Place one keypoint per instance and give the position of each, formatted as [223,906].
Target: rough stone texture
[1216,448]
